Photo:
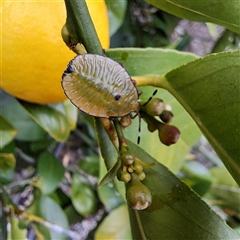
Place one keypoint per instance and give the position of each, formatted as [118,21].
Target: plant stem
[80,26]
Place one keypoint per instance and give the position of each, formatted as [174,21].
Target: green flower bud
[141,176]
[127,158]
[125,121]
[137,167]
[126,177]
[123,176]
[155,107]
[151,127]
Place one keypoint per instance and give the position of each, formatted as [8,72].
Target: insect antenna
[139,116]
[154,93]
[139,129]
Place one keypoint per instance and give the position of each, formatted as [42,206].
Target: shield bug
[100,86]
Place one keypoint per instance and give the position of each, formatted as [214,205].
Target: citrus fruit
[34,55]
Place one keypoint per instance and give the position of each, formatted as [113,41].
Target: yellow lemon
[34,55]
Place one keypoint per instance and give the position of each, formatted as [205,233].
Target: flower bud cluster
[132,173]
[129,165]
[168,134]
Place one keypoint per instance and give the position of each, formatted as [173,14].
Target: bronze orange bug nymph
[100,86]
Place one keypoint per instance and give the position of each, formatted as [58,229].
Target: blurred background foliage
[50,161]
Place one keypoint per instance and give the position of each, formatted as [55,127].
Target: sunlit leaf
[224,12]
[176,210]
[50,171]
[69,111]
[7,132]
[82,195]
[7,161]
[115,226]
[51,120]
[16,232]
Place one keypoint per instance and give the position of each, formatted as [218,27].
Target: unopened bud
[166,116]
[141,176]
[123,176]
[125,121]
[151,127]
[137,166]
[168,134]
[155,107]
[127,158]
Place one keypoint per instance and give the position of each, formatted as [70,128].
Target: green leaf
[176,211]
[27,128]
[139,62]
[50,171]
[50,211]
[69,111]
[197,176]
[225,189]
[51,120]
[208,88]
[116,13]
[109,196]
[108,193]
[221,12]
[16,232]
[115,226]
[82,195]
[7,132]
[109,154]
[90,165]
[7,161]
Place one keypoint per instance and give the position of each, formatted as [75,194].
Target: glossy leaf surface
[7,131]
[176,211]
[51,120]
[223,12]
[69,111]
[209,90]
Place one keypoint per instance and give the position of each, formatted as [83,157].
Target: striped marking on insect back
[100,86]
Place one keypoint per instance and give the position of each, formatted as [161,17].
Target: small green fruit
[138,195]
